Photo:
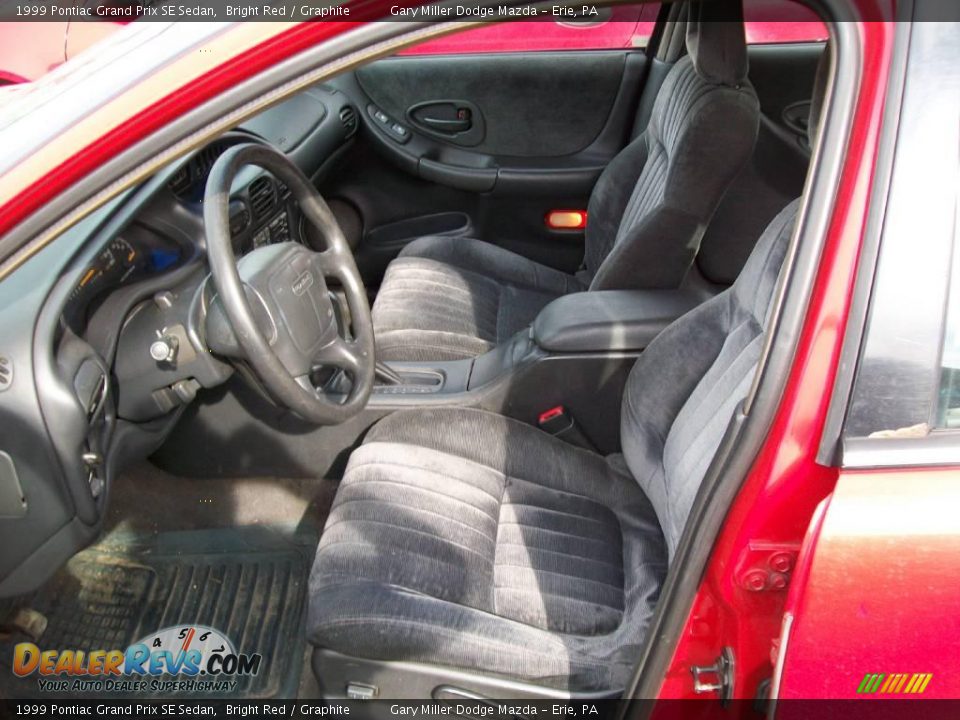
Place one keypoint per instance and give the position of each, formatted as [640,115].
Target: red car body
[794,516]
[30,50]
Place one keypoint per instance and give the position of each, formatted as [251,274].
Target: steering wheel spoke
[343,354]
[329,262]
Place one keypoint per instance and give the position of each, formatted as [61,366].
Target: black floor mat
[249,583]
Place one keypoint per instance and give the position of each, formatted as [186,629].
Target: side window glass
[948,397]
[908,370]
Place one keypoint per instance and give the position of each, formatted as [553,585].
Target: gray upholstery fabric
[648,212]
[716,42]
[683,390]
[447,298]
[463,538]
[652,204]
[775,175]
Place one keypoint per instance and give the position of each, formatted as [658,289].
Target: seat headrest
[716,42]
[819,95]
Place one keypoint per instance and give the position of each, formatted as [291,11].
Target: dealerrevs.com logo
[188,659]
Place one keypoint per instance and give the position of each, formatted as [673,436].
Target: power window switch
[399,133]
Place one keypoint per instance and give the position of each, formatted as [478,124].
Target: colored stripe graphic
[188,640]
[894,683]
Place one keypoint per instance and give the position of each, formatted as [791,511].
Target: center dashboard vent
[205,159]
[348,117]
[192,176]
[263,197]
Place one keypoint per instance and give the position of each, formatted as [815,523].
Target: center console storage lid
[606,320]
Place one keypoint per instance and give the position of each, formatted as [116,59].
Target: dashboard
[164,237]
[165,230]
[110,329]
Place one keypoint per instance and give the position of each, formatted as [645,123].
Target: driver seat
[462,541]
[451,298]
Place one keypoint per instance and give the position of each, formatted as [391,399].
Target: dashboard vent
[195,172]
[262,197]
[180,182]
[348,116]
[205,160]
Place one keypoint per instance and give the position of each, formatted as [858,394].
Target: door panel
[542,105]
[498,139]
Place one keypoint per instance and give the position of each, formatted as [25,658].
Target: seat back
[652,204]
[684,389]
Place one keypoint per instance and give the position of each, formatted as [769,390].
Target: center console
[577,353]
[606,320]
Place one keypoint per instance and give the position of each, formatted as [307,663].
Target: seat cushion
[449,298]
[465,539]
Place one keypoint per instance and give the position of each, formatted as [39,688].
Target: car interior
[410,381]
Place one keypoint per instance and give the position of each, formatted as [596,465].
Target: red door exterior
[878,610]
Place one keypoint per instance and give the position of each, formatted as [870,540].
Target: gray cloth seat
[466,540]
[448,298]
[445,299]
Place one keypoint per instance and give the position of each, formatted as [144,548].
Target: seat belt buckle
[560,423]
[555,420]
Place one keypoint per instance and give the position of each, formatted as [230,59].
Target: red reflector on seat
[566,219]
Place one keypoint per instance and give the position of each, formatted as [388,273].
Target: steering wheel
[279,315]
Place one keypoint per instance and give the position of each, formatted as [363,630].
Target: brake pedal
[25,621]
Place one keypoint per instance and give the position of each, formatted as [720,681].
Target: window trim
[940,446]
[830,450]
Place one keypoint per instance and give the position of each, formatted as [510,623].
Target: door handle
[448,117]
[447,125]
